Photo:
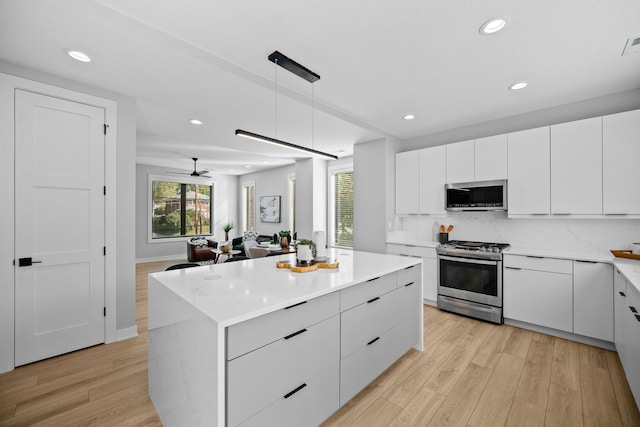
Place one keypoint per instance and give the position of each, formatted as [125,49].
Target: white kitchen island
[246,343]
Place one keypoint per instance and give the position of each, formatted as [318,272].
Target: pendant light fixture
[303,72]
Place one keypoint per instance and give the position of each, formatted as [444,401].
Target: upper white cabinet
[576,167]
[461,161]
[407,183]
[529,172]
[621,151]
[432,179]
[491,158]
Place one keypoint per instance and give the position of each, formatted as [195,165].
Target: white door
[59,226]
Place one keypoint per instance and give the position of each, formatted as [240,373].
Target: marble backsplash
[595,236]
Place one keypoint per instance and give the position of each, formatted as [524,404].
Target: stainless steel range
[470,279]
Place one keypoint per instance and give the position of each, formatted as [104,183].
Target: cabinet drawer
[258,379]
[313,403]
[366,321]
[423,252]
[408,275]
[551,265]
[396,249]
[247,336]
[363,292]
[365,364]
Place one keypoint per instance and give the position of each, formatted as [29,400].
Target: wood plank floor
[471,374]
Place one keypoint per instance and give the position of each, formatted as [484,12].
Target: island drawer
[262,377]
[312,403]
[247,336]
[364,365]
[363,323]
[409,275]
[363,292]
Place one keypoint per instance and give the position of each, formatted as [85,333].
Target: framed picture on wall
[270,209]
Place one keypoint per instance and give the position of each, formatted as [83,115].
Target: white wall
[225,209]
[272,182]
[594,236]
[124,204]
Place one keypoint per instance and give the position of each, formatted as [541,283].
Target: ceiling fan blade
[202,172]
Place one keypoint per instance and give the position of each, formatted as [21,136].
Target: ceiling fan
[203,173]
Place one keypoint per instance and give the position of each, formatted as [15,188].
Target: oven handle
[461,303]
[469,260]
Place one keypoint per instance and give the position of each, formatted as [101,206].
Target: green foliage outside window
[180,209]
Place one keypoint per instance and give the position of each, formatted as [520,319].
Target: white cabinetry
[627,330]
[576,167]
[621,151]
[429,268]
[407,183]
[461,162]
[433,175]
[529,172]
[491,158]
[539,291]
[593,300]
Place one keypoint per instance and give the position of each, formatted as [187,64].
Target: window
[179,208]
[248,206]
[292,203]
[341,207]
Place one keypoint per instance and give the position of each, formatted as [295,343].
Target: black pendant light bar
[291,65]
[281,143]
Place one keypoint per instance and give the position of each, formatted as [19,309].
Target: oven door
[470,279]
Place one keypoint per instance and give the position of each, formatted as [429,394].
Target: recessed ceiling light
[77,55]
[247,166]
[409,117]
[195,122]
[518,86]
[493,25]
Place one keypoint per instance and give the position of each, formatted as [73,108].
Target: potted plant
[284,239]
[227,228]
[310,243]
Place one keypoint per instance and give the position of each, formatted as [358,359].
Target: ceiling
[378,61]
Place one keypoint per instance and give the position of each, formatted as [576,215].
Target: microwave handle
[468,260]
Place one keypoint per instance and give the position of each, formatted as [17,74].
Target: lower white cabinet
[538,291]
[593,299]
[429,268]
[627,330]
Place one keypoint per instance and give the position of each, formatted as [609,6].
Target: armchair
[199,249]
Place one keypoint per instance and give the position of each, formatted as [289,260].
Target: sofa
[199,249]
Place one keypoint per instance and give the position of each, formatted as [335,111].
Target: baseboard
[562,334]
[429,302]
[181,257]
[127,333]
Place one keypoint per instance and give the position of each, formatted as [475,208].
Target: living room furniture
[199,249]
[257,252]
[228,255]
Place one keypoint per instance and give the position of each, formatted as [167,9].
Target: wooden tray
[624,254]
[307,268]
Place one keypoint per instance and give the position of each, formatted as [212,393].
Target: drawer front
[314,402]
[364,365]
[396,249]
[363,292]
[408,275]
[365,322]
[258,379]
[255,333]
[551,265]
[423,252]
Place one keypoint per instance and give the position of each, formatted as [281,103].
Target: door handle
[26,262]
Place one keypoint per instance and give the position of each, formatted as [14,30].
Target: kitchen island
[246,343]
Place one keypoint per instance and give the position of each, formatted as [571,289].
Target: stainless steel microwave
[476,196]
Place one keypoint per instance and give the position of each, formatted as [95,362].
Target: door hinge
[104,190]
[105,126]
[104,311]
[104,250]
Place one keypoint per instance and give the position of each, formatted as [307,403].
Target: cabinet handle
[373,340]
[587,262]
[295,333]
[633,309]
[375,278]
[534,256]
[637,318]
[621,294]
[373,300]
[409,284]
[513,268]
[295,305]
[295,390]
[407,268]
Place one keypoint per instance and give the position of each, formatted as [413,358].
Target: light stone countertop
[233,292]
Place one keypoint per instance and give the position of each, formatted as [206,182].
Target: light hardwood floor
[471,374]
